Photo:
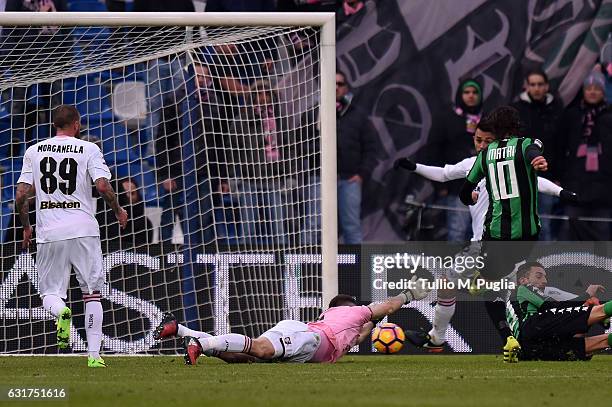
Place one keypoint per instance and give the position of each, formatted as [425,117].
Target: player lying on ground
[554,330]
[59,171]
[435,339]
[342,326]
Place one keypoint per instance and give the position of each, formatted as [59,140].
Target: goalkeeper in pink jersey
[344,325]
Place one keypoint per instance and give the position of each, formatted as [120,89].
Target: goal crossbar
[116,19]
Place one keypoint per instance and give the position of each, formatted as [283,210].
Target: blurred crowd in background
[577,142]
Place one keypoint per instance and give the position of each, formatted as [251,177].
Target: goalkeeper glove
[419,291]
[405,163]
[376,322]
[568,196]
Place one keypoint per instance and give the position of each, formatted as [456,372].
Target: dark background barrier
[142,285]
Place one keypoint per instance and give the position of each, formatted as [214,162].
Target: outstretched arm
[388,307]
[431,173]
[550,188]
[418,289]
[439,174]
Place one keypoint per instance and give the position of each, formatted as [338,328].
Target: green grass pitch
[374,381]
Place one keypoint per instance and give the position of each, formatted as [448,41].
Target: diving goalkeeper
[344,325]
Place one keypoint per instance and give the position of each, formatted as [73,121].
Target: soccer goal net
[220,134]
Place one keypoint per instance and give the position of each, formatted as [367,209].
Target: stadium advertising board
[248,292]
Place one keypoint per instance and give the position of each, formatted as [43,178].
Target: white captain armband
[539,143]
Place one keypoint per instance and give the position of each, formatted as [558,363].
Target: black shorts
[550,335]
[501,256]
[555,349]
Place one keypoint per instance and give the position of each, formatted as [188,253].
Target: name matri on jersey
[62,169]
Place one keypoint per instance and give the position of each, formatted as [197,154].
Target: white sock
[444,311]
[227,343]
[184,331]
[93,324]
[53,304]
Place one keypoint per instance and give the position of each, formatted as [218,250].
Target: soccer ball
[388,338]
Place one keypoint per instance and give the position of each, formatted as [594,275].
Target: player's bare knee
[597,314]
[262,348]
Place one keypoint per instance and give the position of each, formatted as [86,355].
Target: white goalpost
[220,132]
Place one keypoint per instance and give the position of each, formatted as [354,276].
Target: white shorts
[292,341]
[473,250]
[54,260]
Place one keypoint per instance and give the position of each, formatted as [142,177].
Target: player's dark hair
[525,268]
[485,125]
[536,71]
[64,116]
[341,300]
[505,121]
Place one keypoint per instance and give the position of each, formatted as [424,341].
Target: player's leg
[443,313]
[555,348]
[434,340]
[598,342]
[260,348]
[289,341]
[600,313]
[86,259]
[556,331]
[497,313]
[53,279]
[501,260]
[445,306]
[170,328]
[571,320]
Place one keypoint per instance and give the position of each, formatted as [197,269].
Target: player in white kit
[60,171]
[435,339]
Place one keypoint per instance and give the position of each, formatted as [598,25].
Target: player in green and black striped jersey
[509,165]
[547,328]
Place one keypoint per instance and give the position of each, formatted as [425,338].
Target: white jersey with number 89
[62,169]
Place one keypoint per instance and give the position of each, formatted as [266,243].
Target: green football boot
[511,350]
[63,328]
[92,362]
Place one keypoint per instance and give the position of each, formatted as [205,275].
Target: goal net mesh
[212,136]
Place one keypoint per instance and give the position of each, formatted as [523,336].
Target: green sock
[608,308]
[610,340]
